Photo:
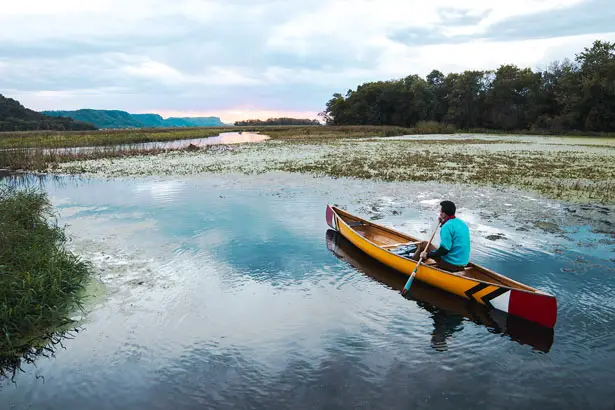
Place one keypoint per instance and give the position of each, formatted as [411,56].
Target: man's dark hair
[448,207]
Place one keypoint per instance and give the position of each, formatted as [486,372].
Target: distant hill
[149,120]
[122,119]
[279,121]
[194,121]
[100,118]
[16,117]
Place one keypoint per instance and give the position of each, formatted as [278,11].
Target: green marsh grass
[65,139]
[40,279]
[34,150]
[48,159]
[341,151]
[573,175]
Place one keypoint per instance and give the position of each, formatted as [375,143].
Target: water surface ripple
[231,292]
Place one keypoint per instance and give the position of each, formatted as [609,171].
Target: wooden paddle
[416,268]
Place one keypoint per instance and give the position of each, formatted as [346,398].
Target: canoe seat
[354,223]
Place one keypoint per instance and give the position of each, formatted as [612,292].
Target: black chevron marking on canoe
[489,296]
[470,292]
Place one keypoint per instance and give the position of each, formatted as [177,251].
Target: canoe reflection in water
[448,311]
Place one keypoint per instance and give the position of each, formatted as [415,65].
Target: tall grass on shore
[48,159]
[315,133]
[66,139]
[40,280]
[41,151]
[57,139]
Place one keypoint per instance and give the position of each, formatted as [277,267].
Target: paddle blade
[408,283]
[411,278]
[407,287]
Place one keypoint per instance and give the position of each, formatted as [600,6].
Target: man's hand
[424,255]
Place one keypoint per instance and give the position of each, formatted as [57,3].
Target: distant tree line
[15,117]
[568,95]
[279,121]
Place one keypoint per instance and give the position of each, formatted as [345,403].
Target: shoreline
[564,167]
[564,171]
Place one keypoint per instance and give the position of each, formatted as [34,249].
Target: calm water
[231,292]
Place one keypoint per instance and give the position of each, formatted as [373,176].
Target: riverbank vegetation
[40,280]
[575,169]
[55,139]
[39,151]
[279,121]
[58,139]
[568,96]
[561,167]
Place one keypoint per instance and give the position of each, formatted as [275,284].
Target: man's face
[442,214]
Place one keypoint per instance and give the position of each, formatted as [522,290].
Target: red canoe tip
[538,308]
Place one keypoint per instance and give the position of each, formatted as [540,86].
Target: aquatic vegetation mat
[573,169]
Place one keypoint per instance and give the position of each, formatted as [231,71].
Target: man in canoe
[454,251]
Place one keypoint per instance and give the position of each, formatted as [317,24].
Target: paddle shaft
[416,268]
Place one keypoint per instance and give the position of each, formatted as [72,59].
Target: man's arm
[446,241]
[441,251]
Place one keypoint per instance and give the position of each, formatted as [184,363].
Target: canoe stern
[537,307]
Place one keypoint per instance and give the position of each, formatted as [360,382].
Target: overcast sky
[240,59]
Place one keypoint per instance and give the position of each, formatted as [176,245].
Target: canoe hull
[531,304]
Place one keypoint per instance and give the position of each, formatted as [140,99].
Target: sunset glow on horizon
[230,116]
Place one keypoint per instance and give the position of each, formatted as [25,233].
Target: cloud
[483,54]
[589,17]
[268,57]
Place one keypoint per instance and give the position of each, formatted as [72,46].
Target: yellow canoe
[475,283]
[443,306]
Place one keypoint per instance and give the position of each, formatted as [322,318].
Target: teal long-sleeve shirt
[455,236]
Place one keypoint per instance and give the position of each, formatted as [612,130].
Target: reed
[40,279]
[314,134]
[58,139]
[45,159]
[41,151]
[65,139]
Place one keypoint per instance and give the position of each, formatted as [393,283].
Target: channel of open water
[222,138]
[230,291]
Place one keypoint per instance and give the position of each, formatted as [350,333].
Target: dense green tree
[596,104]
[568,95]
[279,121]
[512,99]
[465,95]
[437,102]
